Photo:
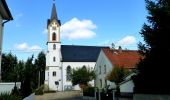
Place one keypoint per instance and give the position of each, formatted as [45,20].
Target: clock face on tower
[53,28]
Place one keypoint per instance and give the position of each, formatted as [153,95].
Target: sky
[83,22]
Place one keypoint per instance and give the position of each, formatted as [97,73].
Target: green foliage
[40,90]
[153,69]
[9,62]
[8,96]
[82,76]
[24,72]
[117,74]
[40,64]
[89,91]
[15,91]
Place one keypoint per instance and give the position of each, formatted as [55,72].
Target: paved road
[68,95]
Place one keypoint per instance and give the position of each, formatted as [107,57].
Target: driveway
[66,95]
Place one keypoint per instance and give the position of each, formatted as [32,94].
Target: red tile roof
[125,58]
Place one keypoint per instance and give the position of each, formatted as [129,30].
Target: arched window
[54,36]
[53,59]
[84,67]
[68,78]
[54,47]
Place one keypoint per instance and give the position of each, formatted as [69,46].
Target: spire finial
[53,1]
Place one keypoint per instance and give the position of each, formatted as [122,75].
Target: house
[5,16]
[60,59]
[108,59]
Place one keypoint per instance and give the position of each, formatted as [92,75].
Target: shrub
[8,96]
[89,91]
[40,90]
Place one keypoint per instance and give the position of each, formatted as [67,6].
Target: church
[60,59]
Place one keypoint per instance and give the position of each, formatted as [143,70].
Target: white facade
[53,57]
[102,69]
[0,43]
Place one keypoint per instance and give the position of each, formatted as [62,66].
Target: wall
[150,97]
[103,61]
[74,65]
[0,43]
[127,87]
[7,87]
[53,79]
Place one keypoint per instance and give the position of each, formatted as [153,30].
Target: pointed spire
[54,12]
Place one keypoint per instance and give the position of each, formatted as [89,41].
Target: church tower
[53,55]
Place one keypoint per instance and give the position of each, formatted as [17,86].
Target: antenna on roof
[112,46]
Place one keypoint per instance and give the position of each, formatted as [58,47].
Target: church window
[54,36]
[54,73]
[68,78]
[84,67]
[54,59]
[54,46]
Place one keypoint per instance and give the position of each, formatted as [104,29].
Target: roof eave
[6,14]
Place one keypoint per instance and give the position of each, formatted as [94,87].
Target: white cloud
[78,29]
[128,40]
[24,46]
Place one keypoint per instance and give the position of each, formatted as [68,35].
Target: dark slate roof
[4,9]
[54,13]
[75,53]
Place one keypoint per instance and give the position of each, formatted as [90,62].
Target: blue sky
[84,22]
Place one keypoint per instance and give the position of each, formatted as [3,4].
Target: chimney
[120,49]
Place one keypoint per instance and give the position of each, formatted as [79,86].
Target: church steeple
[54,12]
[53,15]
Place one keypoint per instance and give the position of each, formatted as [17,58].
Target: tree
[82,76]
[117,75]
[40,64]
[154,68]
[9,62]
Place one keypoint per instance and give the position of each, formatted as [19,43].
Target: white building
[5,16]
[60,59]
[108,59]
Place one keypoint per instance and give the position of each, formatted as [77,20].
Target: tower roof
[54,12]
[53,15]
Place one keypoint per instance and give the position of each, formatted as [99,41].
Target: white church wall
[67,84]
[101,72]
[54,78]
[53,53]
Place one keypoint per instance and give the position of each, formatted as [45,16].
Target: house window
[68,78]
[105,83]
[54,46]
[101,83]
[54,36]
[105,69]
[54,73]
[99,69]
[54,59]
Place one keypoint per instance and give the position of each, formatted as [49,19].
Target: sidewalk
[66,95]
